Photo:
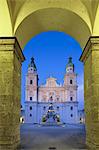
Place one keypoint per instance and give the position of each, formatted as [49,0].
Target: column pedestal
[11,58]
[90,57]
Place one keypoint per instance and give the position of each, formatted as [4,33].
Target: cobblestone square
[66,137]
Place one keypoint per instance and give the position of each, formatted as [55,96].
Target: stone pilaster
[11,58]
[90,57]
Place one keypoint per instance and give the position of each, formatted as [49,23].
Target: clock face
[69,69]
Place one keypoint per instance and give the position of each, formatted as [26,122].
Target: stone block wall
[10,83]
[90,57]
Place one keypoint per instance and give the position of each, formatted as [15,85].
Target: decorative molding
[11,44]
[92,42]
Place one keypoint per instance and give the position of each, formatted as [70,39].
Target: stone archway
[44,20]
[28,18]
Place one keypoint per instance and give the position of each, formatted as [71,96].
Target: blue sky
[51,51]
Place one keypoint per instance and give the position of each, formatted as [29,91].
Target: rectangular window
[30,98]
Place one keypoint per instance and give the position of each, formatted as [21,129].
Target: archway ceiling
[91,6]
[53,19]
[14,8]
[20,10]
[16,5]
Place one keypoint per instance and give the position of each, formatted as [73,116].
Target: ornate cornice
[90,45]
[11,44]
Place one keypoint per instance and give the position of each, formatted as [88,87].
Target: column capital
[11,44]
[91,44]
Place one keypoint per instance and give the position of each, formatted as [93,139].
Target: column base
[14,146]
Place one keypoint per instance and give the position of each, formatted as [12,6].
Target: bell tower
[70,82]
[32,82]
[31,94]
[70,86]
[70,66]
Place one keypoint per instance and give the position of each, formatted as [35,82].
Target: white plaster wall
[33,112]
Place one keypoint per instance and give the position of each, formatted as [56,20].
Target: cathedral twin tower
[51,102]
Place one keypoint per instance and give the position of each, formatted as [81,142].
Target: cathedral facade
[51,102]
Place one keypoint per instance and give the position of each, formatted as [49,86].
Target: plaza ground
[66,137]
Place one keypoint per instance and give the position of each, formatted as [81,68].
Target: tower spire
[70,60]
[70,66]
[32,64]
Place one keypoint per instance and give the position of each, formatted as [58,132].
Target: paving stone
[67,137]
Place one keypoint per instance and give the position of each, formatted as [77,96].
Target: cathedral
[51,103]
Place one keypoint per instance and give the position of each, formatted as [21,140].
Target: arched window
[71,107]
[71,98]
[30,107]
[31,98]
[31,81]
[44,108]
[30,115]
[71,81]
[71,115]
[57,107]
